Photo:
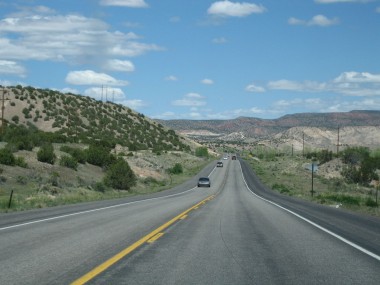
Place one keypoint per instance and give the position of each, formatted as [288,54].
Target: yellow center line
[102,267]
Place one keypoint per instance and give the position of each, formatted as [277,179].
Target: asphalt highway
[235,232]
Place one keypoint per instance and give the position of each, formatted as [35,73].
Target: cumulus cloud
[70,38]
[134,103]
[124,3]
[347,83]
[207,81]
[318,20]
[254,88]
[357,77]
[11,68]
[190,100]
[105,94]
[89,77]
[234,9]
[120,65]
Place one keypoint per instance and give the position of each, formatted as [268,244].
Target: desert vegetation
[63,148]
[348,179]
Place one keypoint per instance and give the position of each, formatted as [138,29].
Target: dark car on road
[219,164]
[204,182]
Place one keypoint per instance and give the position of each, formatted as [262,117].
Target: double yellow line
[156,233]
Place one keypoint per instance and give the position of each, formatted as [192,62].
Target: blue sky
[198,59]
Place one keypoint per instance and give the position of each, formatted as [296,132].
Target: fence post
[10,200]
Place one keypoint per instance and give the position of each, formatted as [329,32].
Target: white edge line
[358,247]
[93,210]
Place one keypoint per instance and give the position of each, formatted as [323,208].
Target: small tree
[119,175]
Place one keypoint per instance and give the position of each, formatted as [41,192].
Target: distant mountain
[246,127]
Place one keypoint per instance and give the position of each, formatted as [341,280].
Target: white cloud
[89,77]
[234,9]
[219,41]
[120,65]
[171,78]
[345,106]
[318,20]
[11,67]
[357,77]
[207,81]
[72,38]
[70,90]
[347,83]
[134,103]
[254,88]
[190,100]
[124,3]
[309,86]
[105,94]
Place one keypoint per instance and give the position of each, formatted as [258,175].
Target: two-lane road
[233,237]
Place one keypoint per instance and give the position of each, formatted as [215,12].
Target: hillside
[321,129]
[84,119]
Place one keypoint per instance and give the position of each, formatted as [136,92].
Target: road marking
[154,238]
[183,217]
[102,267]
[354,245]
[93,210]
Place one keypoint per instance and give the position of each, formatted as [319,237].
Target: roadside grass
[288,175]
[35,191]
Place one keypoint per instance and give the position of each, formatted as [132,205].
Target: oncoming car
[204,182]
[219,164]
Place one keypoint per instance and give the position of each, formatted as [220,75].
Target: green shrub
[68,161]
[15,119]
[99,187]
[46,154]
[176,169]
[281,188]
[370,202]
[20,161]
[7,157]
[78,154]
[119,175]
[99,156]
[21,180]
[201,152]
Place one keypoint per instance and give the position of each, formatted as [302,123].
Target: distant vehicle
[234,157]
[225,157]
[219,164]
[204,182]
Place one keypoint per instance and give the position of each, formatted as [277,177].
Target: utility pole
[2,109]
